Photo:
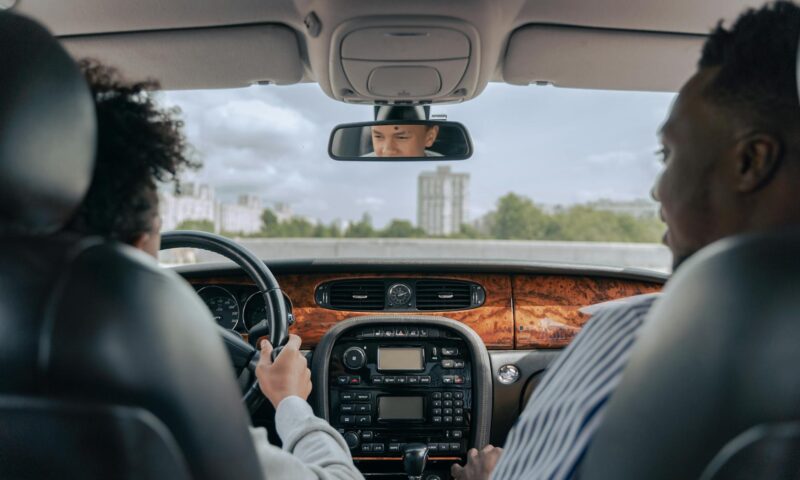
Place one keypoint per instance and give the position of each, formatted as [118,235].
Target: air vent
[443,295]
[356,295]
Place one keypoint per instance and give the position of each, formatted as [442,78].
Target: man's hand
[479,464]
[287,375]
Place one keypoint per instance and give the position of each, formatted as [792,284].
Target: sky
[556,146]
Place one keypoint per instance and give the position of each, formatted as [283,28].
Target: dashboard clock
[399,294]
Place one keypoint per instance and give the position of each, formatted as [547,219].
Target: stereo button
[413,379]
[362,408]
[347,420]
[377,447]
[348,408]
[363,420]
[433,447]
[354,358]
[377,380]
[448,395]
[447,379]
[394,448]
[347,396]
[448,419]
[366,435]
[363,397]
[448,364]
[449,351]
[425,379]
[458,395]
[437,419]
[352,439]
[457,434]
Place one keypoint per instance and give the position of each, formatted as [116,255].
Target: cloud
[371,203]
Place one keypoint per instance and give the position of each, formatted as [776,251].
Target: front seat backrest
[712,388]
[110,366]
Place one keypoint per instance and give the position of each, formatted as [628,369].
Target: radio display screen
[400,359]
[400,408]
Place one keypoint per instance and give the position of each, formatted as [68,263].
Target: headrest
[47,130]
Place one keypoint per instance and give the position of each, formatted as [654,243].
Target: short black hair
[139,145]
[757,65]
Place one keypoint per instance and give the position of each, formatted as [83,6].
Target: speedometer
[255,310]
[223,306]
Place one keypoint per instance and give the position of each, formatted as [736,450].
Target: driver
[403,141]
[138,146]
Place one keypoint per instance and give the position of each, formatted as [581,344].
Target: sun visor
[199,58]
[591,58]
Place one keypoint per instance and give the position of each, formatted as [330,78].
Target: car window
[557,175]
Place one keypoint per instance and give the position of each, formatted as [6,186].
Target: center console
[395,381]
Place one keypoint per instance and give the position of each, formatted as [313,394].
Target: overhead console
[392,61]
[388,382]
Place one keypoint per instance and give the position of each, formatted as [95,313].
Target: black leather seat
[111,367]
[712,389]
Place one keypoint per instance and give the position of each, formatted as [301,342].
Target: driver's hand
[287,375]
[480,464]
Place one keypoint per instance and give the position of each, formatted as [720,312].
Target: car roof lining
[78,21]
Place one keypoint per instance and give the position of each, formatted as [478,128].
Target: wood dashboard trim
[547,307]
[520,312]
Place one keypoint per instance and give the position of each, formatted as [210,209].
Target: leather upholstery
[47,126]
[110,367]
[718,356]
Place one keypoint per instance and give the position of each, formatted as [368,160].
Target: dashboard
[441,354]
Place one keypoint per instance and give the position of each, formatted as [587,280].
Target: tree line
[515,217]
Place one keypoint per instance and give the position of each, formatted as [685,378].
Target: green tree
[518,218]
[269,221]
[201,225]
[584,223]
[401,229]
[296,227]
[361,229]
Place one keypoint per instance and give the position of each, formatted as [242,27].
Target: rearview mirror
[400,140]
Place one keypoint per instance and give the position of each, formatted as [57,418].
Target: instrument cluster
[237,307]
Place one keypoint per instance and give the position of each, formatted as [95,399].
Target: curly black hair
[139,145]
[757,66]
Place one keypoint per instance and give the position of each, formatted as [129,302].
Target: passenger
[140,145]
[731,152]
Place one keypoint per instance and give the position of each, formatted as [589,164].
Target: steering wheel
[245,356]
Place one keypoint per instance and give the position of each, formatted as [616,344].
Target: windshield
[557,175]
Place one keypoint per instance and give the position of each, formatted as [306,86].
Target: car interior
[100,347]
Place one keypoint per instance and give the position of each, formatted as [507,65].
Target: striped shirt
[552,433]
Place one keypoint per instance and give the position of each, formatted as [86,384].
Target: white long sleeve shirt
[312,449]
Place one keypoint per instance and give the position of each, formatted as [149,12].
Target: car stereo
[391,385]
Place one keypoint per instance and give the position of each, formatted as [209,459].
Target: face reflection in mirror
[404,140]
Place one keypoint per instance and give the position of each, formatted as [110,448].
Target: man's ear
[430,136]
[758,157]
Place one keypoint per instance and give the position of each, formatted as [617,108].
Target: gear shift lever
[415,455]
